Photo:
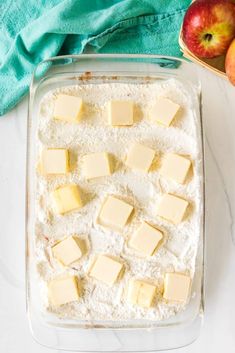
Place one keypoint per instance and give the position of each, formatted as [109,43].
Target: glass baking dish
[109,336]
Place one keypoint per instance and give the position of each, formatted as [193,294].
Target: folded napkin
[34,30]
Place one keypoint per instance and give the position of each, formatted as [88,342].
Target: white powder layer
[143,190]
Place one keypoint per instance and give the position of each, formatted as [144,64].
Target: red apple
[230,63]
[209,27]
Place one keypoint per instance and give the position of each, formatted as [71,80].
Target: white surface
[219,120]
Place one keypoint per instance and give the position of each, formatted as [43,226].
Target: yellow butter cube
[55,161]
[63,290]
[66,198]
[172,208]
[68,250]
[140,157]
[120,113]
[141,293]
[96,165]
[177,287]
[146,239]
[68,108]
[175,167]
[164,111]
[106,269]
[114,213]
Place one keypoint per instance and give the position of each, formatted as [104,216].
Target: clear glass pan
[109,336]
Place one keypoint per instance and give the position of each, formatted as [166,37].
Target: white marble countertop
[218,332]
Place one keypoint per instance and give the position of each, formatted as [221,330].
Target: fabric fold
[32,31]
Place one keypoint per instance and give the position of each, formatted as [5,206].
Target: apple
[209,27]
[230,62]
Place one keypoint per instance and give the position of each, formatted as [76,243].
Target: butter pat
[175,167]
[67,198]
[68,250]
[114,213]
[96,165]
[106,269]
[177,287]
[63,290]
[55,161]
[141,293]
[67,108]
[164,111]
[172,208]
[146,239]
[140,157]
[120,113]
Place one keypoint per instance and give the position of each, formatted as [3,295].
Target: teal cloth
[34,30]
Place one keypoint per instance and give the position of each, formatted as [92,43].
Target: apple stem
[207,37]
